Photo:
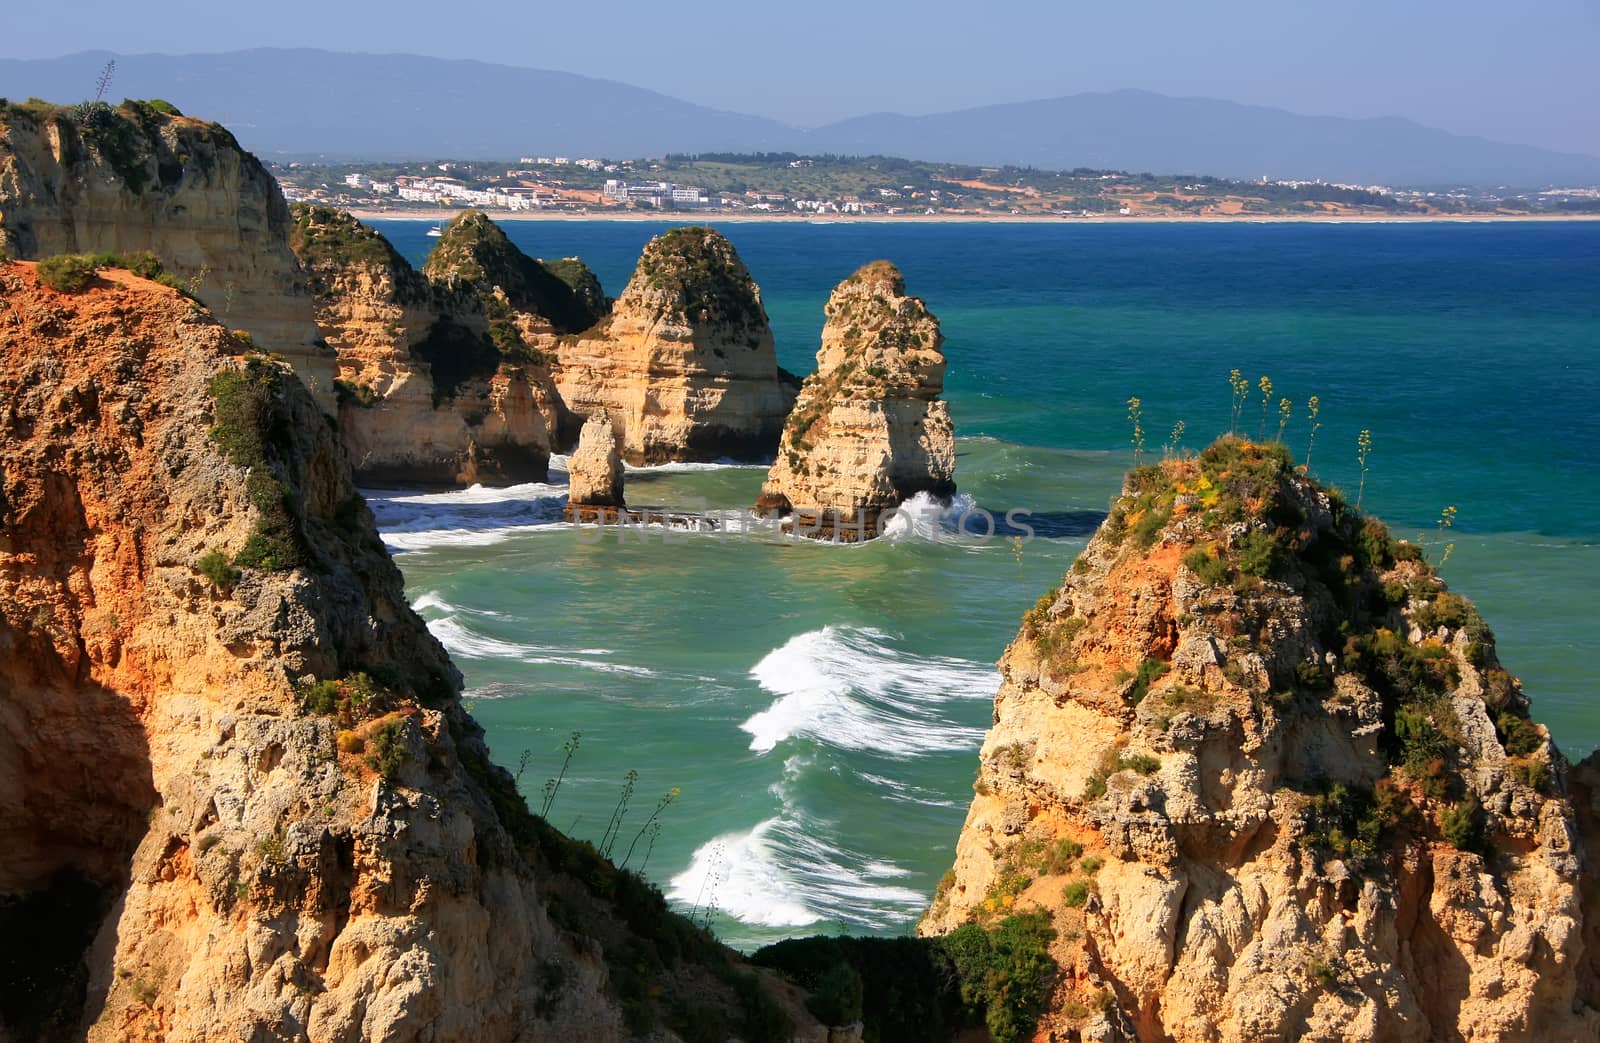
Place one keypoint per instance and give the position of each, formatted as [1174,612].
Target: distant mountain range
[312,104]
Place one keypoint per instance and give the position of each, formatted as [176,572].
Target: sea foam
[848,687]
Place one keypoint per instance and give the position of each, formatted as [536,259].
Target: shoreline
[726,217]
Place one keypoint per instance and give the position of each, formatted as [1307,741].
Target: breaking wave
[849,688]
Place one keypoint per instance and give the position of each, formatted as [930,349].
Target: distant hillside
[1140,131]
[310,104]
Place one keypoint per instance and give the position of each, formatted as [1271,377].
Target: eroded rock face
[221,719]
[432,390]
[685,361]
[868,430]
[1269,781]
[138,178]
[596,467]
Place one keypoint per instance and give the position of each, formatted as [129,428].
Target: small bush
[1150,671]
[1518,735]
[1092,865]
[67,273]
[1464,827]
[1006,971]
[1207,564]
[1143,763]
[386,749]
[836,1000]
[1075,894]
[214,566]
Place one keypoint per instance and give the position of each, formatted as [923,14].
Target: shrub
[67,273]
[1207,564]
[1057,860]
[1075,894]
[1260,555]
[1464,827]
[1143,763]
[836,999]
[1006,971]
[1092,865]
[1518,735]
[386,749]
[1150,671]
[213,565]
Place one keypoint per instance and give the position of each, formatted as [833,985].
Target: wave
[847,687]
[784,872]
[460,639]
[724,464]
[472,517]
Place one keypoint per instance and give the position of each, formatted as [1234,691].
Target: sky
[1522,72]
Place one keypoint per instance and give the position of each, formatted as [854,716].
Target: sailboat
[436,231]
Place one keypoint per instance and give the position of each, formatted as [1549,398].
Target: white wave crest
[923,517]
[849,688]
[784,872]
[472,517]
[460,639]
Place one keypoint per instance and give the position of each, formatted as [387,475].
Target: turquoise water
[819,708]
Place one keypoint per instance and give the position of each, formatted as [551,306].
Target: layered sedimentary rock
[595,470]
[1266,778]
[437,384]
[94,179]
[868,430]
[239,795]
[685,361]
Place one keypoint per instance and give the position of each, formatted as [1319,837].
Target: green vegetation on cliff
[698,270]
[476,253]
[321,235]
[1258,533]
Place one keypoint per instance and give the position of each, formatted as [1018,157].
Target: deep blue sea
[819,708]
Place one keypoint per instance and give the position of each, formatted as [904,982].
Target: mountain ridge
[399,106]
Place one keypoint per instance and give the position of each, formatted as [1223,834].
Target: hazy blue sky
[1523,72]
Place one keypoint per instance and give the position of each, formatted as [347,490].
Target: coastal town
[782,184]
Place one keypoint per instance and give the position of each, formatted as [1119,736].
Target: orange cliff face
[1264,776]
[236,770]
[141,177]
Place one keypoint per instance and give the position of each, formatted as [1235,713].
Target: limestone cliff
[1267,779]
[595,470]
[93,179]
[868,430]
[239,795]
[431,390]
[685,361]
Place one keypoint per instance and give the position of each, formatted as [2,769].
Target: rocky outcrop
[93,179]
[595,471]
[432,390]
[868,430]
[1267,780]
[239,794]
[685,361]
[542,301]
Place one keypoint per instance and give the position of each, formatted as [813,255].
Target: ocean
[816,710]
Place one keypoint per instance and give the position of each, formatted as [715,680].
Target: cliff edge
[142,177]
[1264,777]
[240,796]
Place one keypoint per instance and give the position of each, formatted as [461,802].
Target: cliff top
[324,235]
[476,251]
[695,274]
[127,136]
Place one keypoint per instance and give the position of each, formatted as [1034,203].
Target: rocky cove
[1330,793]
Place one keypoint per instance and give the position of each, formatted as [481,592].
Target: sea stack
[143,177]
[595,471]
[240,796]
[868,430]
[439,382]
[685,361]
[1256,773]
